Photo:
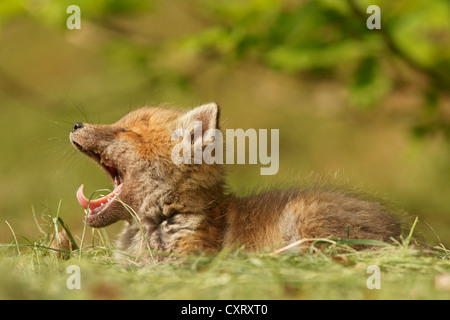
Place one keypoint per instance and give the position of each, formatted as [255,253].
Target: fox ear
[208,114]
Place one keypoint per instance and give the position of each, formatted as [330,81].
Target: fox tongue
[94,204]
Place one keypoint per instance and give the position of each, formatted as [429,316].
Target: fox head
[136,152]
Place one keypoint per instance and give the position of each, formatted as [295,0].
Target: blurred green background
[366,108]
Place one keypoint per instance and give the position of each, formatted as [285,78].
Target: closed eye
[129,131]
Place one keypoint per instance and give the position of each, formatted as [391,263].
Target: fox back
[173,209]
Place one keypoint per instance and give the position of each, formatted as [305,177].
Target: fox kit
[183,208]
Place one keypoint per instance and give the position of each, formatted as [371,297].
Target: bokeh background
[365,108]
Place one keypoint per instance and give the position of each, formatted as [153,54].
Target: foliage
[332,270]
[323,39]
[329,39]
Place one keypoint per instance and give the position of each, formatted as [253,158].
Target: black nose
[77,125]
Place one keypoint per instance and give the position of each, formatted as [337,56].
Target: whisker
[79,107]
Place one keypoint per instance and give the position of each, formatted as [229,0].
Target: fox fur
[177,209]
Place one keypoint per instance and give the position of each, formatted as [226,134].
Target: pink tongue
[93,204]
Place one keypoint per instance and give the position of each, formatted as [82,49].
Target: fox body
[183,208]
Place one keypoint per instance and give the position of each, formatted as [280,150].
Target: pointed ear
[208,114]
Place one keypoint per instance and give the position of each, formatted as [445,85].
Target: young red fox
[183,208]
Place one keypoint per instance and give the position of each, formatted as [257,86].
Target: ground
[325,271]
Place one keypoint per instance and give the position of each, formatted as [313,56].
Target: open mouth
[98,205]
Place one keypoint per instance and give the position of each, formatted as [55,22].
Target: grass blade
[69,234]
[15,238]
[408,239]
[364,242]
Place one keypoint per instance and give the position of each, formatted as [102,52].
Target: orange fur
[184,208]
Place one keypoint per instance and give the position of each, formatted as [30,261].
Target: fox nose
[76,126]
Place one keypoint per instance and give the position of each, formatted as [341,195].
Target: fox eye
[129,132]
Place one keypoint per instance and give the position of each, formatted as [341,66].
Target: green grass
[32,270]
